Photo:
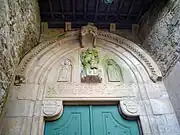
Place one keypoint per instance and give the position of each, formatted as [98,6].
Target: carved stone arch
[139,98]
[150,66]
[148,63]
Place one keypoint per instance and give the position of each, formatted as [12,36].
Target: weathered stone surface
[19,32]
[16,126]
[172,84]
[41,70]
[160,33]
[18,108]
[161,106]
[24,92]
[167,124]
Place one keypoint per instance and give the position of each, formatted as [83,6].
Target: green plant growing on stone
[90,72]
[90,59]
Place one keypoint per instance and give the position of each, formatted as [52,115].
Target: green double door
[91,120]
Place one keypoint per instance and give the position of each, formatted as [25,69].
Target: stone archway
[140,92]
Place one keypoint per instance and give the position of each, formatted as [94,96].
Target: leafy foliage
[90,58]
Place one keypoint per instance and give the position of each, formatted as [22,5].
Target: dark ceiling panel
[122,12]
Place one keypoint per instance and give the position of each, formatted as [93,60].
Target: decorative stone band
[29,56]
[130,108]
[150,66]
[24,62]
[52,109]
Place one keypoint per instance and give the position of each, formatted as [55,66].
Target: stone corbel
[130,108]
[52,109]
[88,30]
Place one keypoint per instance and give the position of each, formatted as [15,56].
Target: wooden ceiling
[122,12]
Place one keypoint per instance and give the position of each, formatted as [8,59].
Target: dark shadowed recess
[122,12]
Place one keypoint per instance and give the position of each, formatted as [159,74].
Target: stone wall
[19,32]
[160,33]
[172,84]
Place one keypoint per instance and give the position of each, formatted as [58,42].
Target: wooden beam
[50,6]
[85,8]
[62,9]
[119,8]
[107,11]
[96,10]
[59,23]
[141,10]
[74,8]
[88,13]
[130,10]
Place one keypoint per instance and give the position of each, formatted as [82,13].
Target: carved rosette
[52,109]
[130,108]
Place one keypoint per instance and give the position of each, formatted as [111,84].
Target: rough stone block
[112,27]
[156,90]
[167,123]
[35,125]
[28,91]
[68,26]
[16,126]
[44,27]
[38,108]
[145,125]
[161,106]
[40,92]
[25,92]
[19,108]
[145,108]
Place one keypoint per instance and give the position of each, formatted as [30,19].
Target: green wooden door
[91,120]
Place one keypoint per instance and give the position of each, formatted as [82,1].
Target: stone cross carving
[88,30]
[65,73]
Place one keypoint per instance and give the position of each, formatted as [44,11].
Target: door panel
[74,121]
[91,120]
[107,121]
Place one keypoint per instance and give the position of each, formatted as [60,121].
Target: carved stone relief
[88,30]
[66,90]
[154,73]
[124,92]
[130,108]
[113,71]
[65,73]
[149,64]
[52,109]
